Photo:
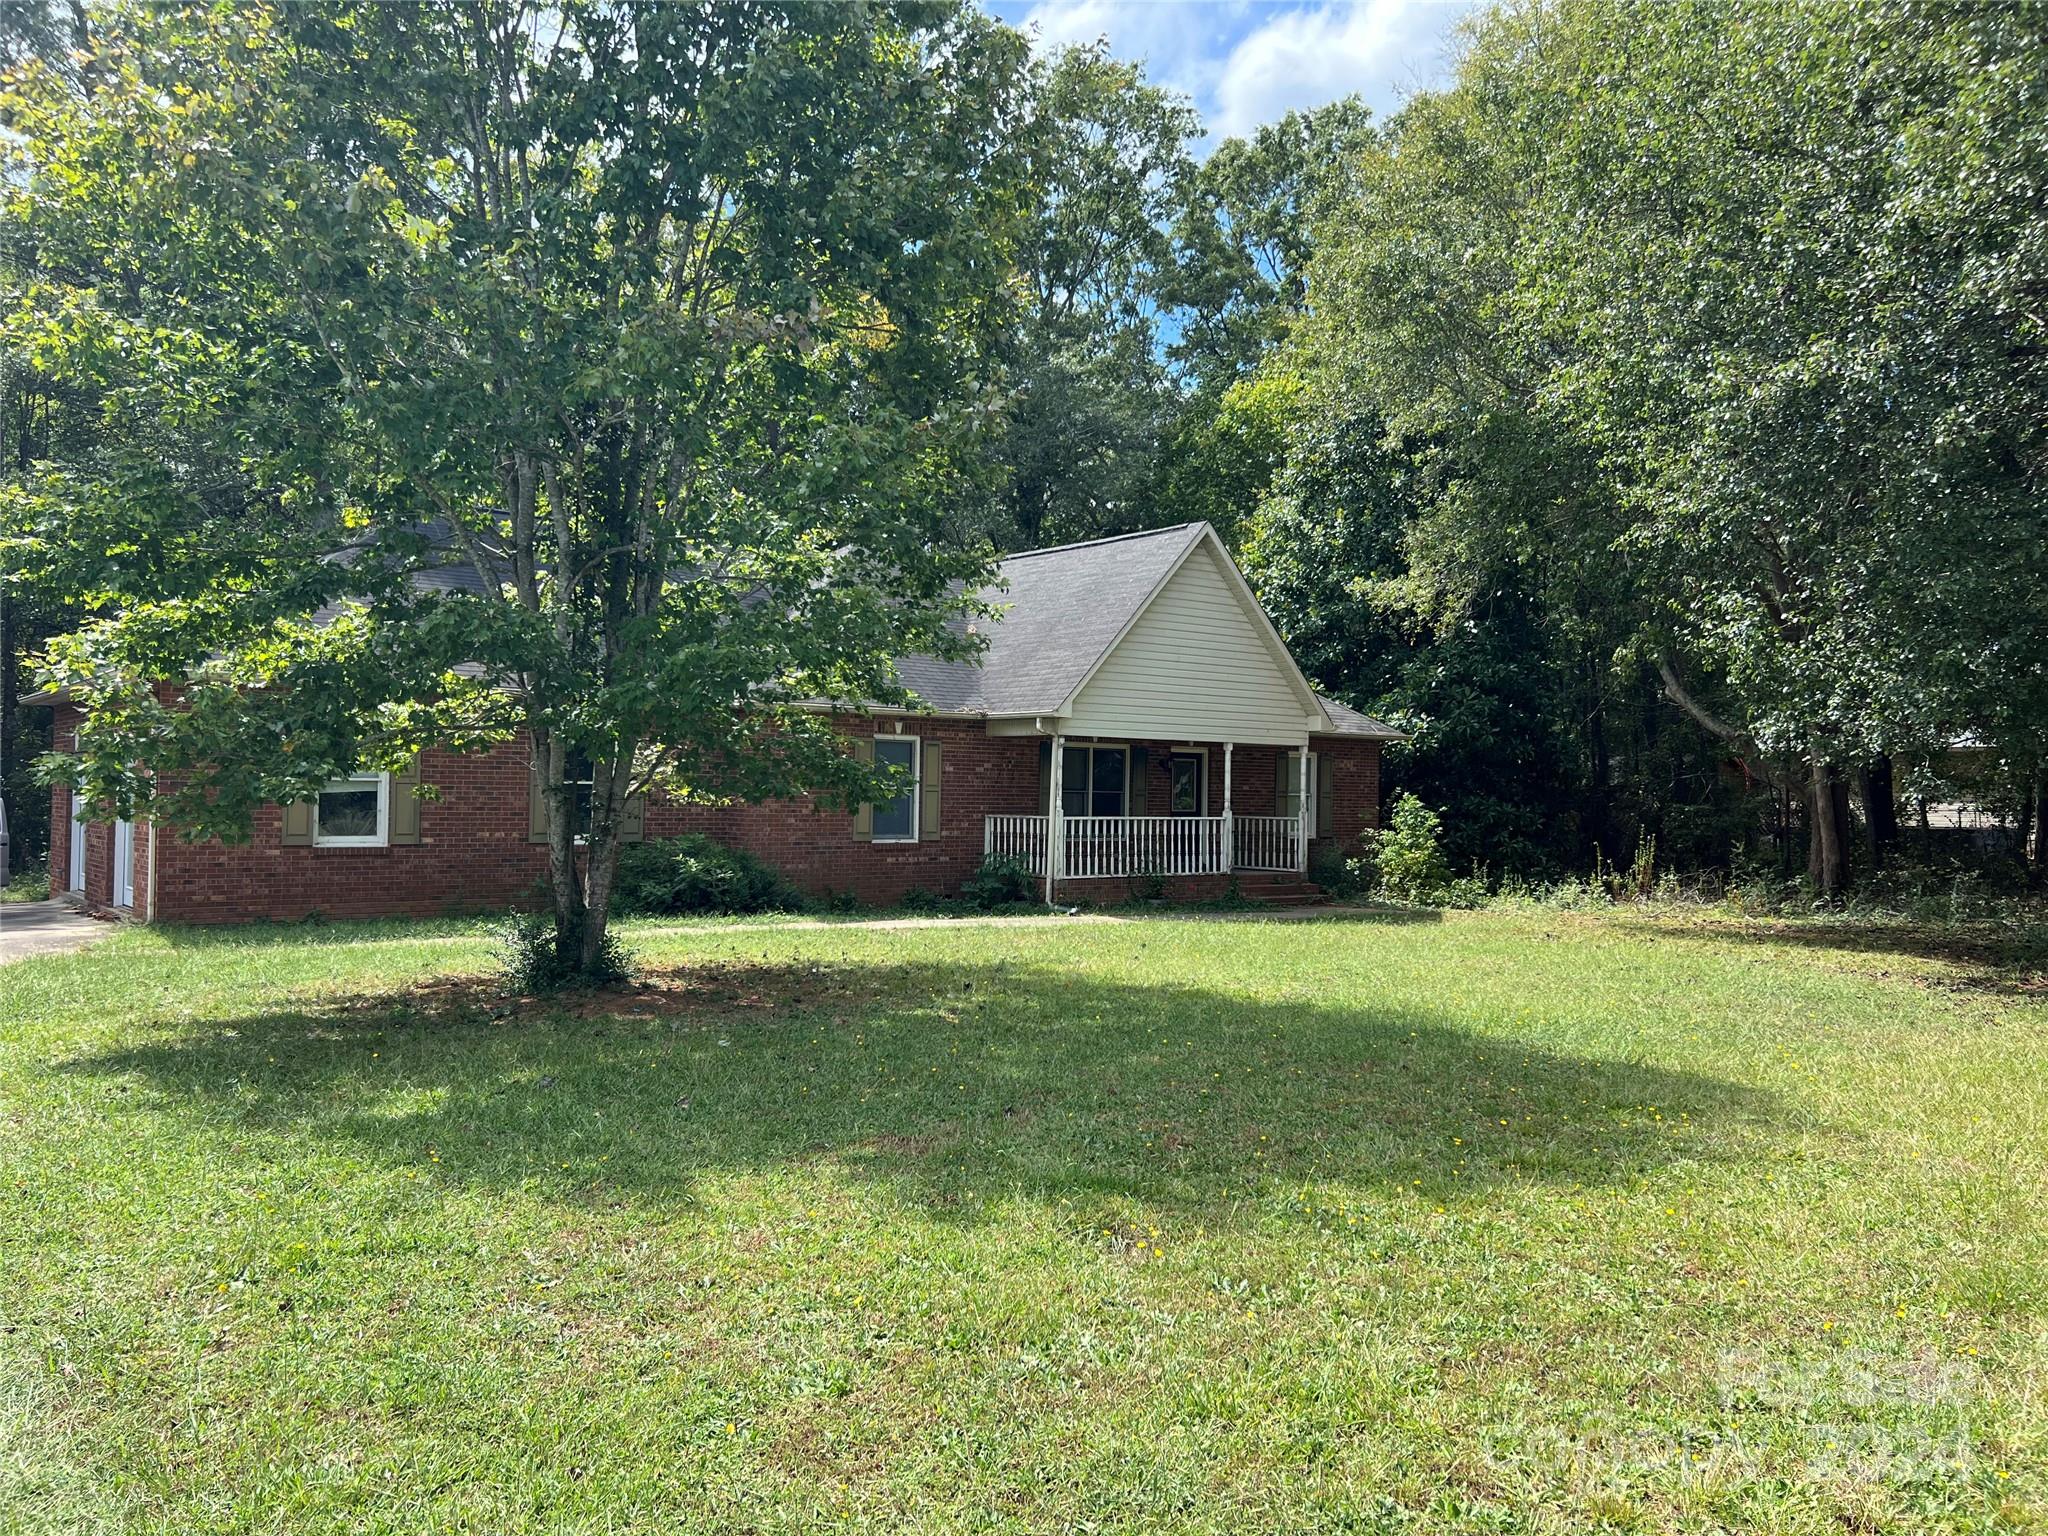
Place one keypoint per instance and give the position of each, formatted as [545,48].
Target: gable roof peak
[1106,539]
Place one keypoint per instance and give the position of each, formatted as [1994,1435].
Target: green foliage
[1090,397]
[536,960]
[1403,860]
[671,876]
[1708,336]
[1218,466]
[1156,284]
[1002,881]
[1243,239]
[464,375]
[29,883]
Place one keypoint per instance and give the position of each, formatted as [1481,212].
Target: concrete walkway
[44,928]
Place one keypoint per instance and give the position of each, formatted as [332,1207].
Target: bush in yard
[693,874]
[1339,876]
[1004,880]
[30,884]
[531,961]
[1403,860]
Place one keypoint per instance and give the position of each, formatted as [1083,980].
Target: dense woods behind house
[1653,423]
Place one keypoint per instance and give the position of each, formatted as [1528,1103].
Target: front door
[1185,794]
[78,826]
[124,864]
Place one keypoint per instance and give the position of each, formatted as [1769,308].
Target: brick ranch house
[1131,684]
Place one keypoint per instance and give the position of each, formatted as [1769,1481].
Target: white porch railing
[1107,847]
[1016,837]
[1266,842]
[1113,847]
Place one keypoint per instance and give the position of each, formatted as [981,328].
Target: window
[896,820]
[578,777]
[352,812]
[1092,781]
[1288,799]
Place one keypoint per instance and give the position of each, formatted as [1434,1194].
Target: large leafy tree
[1092,397]
[1727,322]
[1244,233]
[600,370]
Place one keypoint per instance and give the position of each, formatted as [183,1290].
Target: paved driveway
[44,928]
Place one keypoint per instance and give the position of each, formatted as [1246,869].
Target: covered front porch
[1107,827]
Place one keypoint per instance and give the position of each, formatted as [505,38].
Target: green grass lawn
[1498,1223]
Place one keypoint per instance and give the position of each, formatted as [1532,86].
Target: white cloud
[1183,46]
[1247,62]
[1381,49]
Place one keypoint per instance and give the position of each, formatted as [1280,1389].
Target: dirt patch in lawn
[657,992]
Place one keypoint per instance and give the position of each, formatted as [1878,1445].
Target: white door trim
[76,873]
[123,893]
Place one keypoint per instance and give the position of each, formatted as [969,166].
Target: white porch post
[1229,826]
[1055,843]
[1301,822]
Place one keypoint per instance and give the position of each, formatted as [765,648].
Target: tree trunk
[1880,809]
[2038,861]
[565,887]
[609,783]
[1827,848]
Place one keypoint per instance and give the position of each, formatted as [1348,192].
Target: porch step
[1281,890]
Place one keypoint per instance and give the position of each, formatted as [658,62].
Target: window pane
[1108,781]
[350,812]
[1074,782]
[1187,785]
[896,818]
[892,818]
[576,777]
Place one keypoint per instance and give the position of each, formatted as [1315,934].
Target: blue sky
[1245,62]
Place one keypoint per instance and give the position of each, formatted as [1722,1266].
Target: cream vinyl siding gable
[1194,666]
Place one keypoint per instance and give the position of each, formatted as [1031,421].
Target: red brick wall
[1351,778]
[982,775]
[474,856]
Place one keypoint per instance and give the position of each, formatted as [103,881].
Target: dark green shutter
[536,803]
[864,813]
[928,816]
[1141,788]
[298,824]
[633,819]
[1044,777]
[403,813]
[1325,820]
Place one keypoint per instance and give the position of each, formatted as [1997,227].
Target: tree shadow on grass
[948,1085]
[1984,957]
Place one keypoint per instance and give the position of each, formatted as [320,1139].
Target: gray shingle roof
[1346,721]
[1062,608]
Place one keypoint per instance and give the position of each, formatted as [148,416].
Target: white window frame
[1091,748]
[1291,767]
[582,837]
[381,838]
[916,789]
